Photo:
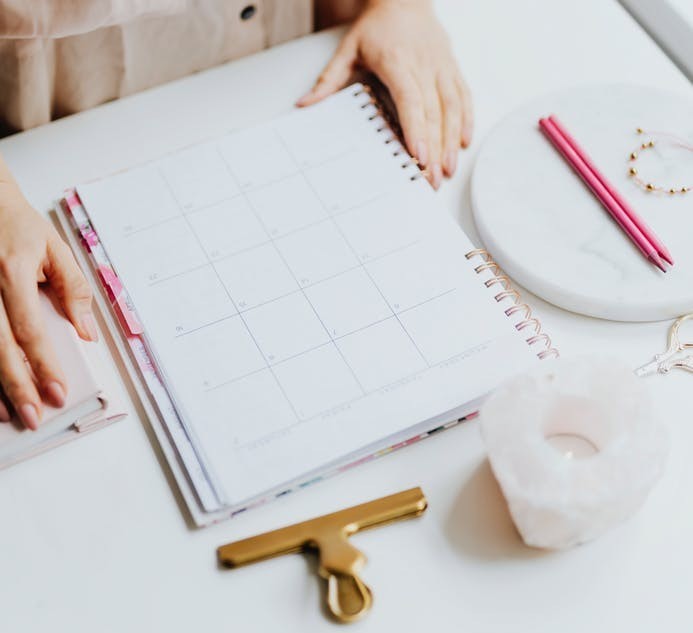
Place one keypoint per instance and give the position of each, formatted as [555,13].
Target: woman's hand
[405,46]
[31,252]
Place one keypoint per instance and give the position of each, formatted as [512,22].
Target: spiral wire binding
[378,116]
[528,322]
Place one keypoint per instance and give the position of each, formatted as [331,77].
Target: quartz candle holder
[575,449]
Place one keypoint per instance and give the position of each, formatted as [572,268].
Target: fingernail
[314,94]
[4,413]
[421,152]
[55,393]
[29,416]
[451,162]
[437,175]
[466,136]
[89,326]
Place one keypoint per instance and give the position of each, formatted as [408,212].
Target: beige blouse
[58,57]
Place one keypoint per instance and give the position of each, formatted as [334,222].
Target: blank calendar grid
[304,296]
[309,303]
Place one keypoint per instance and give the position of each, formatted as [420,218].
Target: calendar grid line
[269,241]
[209,205]
[245,323]
[322,323]
[422,303]
[153,225]
[385,299]
[206,325]
[334,338]
[300,301]
[233,303]
[331,219]
[225,383]
[275,364]
[160,280]
[243,194]
[355,254]
[309,285]
[301,286]
[463,354]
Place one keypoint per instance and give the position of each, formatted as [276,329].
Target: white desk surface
[92,536]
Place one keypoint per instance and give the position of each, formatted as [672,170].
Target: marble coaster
[546,229]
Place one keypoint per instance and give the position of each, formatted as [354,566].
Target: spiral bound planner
[294,300]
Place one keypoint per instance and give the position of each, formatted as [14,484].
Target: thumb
[335,75]
[72,289]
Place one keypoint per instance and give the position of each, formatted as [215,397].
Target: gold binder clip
[348,597]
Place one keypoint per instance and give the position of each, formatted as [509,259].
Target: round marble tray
[544,227]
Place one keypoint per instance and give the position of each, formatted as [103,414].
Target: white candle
[572,446]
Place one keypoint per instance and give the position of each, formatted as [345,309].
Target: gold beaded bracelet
[648,186]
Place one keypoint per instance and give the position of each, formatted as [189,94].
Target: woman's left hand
[402,42]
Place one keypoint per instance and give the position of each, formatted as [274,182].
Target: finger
[335,75]
[4,412]
[72,289]
[451,105]
[15,379]
[434,127]
[23,309]
[408,101]
[467,111]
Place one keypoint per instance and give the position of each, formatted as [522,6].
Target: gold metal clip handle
[348,597]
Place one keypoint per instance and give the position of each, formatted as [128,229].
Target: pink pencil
[637,220]
[600,191]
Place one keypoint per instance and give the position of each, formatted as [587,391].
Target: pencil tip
[657,262]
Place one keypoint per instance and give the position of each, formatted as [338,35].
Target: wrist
[11,196]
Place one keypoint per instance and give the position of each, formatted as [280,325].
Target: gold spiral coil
[518,306]
[507,291]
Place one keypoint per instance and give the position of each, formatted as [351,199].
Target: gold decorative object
[633,172]
[348,597]
[672,357]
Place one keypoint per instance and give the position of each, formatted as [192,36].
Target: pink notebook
[87,406]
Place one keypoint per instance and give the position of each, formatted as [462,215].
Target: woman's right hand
[32,252]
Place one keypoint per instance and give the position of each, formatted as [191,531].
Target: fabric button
[248,12]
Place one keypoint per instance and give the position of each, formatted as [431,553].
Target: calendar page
[303,292]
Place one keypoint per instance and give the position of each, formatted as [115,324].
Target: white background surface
[92,535]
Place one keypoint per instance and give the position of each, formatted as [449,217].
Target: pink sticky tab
[128,316]
[119,300]
[71,198]
[111,280]
[90,237]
